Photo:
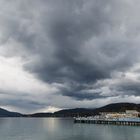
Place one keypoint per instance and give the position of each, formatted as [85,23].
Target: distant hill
[116,107]
[5,113]
[39,115]
[74,112]
[64,113]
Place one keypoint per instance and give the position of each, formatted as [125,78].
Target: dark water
[62,129]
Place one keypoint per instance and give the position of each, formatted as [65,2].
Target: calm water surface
[62,129]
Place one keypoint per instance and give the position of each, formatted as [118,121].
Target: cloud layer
[77,53]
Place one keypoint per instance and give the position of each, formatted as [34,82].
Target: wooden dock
[130,122]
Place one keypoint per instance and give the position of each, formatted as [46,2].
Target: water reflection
[62,129]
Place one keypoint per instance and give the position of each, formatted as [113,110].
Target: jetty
[128,118]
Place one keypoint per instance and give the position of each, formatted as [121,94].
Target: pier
[118,121]
[129,117]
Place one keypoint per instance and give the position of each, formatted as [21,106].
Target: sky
[57,54]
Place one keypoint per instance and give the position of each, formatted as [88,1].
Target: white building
[134,113]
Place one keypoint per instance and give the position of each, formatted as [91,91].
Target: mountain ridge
[6,113]
[114,107]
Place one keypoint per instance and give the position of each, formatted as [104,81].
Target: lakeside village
[129,117]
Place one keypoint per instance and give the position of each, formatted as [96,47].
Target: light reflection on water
[62,129]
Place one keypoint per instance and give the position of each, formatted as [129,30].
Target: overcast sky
[57,54]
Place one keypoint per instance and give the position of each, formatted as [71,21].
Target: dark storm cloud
[72,24]
[23,104]
[77,43]
[129,87]
[23,100]
[80,92]
[69,30]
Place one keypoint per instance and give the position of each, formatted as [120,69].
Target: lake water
[62,129]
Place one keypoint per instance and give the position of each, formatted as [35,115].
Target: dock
[118,121]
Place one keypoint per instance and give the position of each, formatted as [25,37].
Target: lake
[62,129]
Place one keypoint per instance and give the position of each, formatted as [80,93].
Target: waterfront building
[129,117]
